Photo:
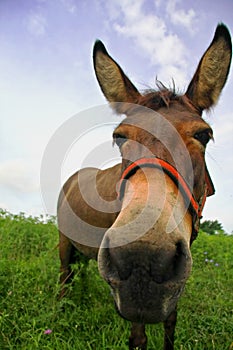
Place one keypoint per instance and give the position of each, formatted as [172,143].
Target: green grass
[86,318]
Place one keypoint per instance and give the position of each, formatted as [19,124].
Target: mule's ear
[112,80]
[212,71]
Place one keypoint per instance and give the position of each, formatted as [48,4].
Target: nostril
[171,264]
[123,264]
[112,265]
[182,250]
[181,260]
[179,250]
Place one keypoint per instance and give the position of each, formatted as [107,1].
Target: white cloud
[181,17]
[151,35]
[225,129]
[69,5]
[158,3]
[223,144]
[219,161]
[16,175]
[36,24]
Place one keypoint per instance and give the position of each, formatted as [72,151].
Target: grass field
[32,318]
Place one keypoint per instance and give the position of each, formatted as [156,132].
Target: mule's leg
[169,328]
[138,338]
[66,252]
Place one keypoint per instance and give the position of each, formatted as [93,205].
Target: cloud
[36,24]
[151,35]
[15,175]
[69,5]
[181,17]
[225,130]
[223,143]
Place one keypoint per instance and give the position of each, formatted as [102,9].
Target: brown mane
[164,97]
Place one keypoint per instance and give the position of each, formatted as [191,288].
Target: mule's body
[139,218]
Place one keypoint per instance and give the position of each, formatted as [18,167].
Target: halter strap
[194,206]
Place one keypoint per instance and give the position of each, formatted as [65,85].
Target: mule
[139,218]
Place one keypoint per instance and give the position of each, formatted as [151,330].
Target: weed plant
[32,318]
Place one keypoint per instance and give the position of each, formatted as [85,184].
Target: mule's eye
[204,136]
[119,139]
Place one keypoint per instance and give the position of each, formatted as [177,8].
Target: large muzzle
[146,277]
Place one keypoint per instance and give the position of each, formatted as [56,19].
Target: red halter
[194,206]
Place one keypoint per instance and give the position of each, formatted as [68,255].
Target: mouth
[152,303]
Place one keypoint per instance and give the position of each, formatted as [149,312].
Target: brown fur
[142,243]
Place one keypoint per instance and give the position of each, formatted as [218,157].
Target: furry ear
[114,83]
[212,71]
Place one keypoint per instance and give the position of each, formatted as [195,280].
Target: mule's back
[88,206]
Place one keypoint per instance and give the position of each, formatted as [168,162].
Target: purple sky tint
[47,76]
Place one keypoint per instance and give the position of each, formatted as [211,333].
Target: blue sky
[47,77]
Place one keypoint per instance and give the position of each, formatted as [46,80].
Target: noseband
[195,207]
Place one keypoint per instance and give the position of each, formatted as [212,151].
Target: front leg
[169,328]
[66,253]
[138,338]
